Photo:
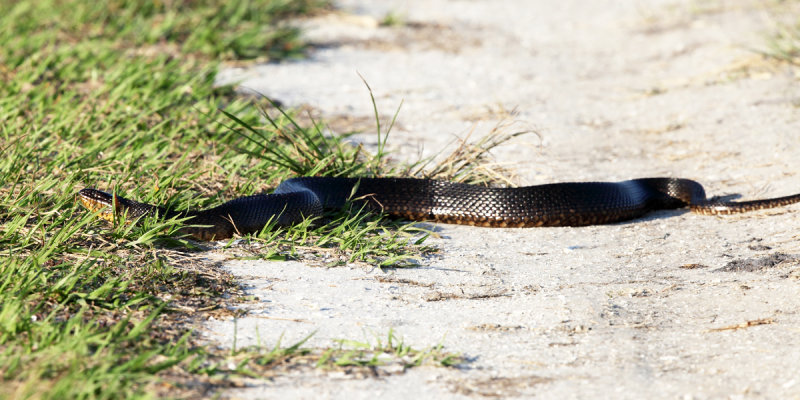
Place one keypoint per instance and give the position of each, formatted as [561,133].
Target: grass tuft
[784,44]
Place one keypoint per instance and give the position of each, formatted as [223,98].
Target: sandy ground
[617,90]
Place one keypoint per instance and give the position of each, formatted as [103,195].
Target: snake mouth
[102,203]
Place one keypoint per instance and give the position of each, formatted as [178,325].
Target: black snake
[556,204]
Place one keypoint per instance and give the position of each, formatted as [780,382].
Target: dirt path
[617,90]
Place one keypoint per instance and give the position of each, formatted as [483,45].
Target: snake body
[556,204]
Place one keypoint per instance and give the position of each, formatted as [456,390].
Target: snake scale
[556,204]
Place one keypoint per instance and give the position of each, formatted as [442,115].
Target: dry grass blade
[743,325]
[472,161]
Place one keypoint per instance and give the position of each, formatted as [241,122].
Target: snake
[554,204]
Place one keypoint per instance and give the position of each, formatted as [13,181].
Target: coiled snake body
[557,204]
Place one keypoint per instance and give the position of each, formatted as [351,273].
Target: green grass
[379,354]
[783,42]
[120,96]
[365,358]
[89,310]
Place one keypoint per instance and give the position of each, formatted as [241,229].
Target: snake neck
[670,193]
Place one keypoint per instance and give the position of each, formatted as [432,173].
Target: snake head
[107,205]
